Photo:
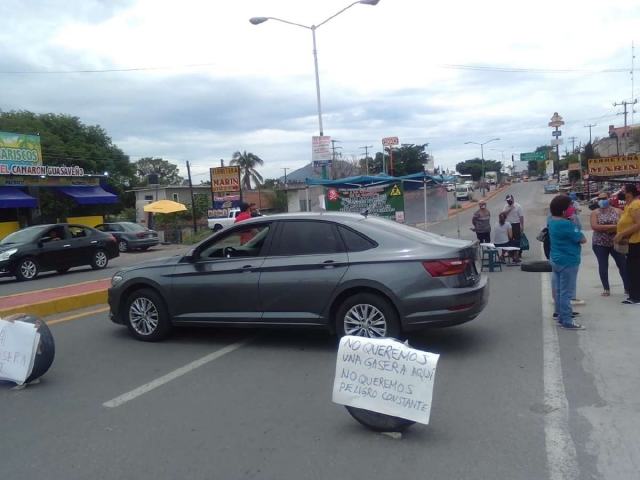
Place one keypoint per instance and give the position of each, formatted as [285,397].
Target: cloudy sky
[400,68]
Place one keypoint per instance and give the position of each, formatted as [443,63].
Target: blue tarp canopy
[411,182]
[89,195]
[11,197]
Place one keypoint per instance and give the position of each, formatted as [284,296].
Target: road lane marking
[158,382]
[562,462]
[78,315]
[53,288]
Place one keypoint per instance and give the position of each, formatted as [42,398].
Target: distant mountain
[308,171]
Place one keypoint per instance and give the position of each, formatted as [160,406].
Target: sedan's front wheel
[368,315]
[146,316]
[27,269]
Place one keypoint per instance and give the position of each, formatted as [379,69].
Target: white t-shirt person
[513,214]
[501,233]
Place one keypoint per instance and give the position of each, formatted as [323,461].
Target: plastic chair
[491,260]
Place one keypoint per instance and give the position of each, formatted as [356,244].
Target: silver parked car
[130,236]
[347,273]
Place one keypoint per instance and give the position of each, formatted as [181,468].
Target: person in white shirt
[515,217]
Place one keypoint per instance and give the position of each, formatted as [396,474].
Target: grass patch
[201,234]
[455,206]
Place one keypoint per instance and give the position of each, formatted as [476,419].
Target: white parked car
[464,192]
[470,184]
[219,223]
[450,187]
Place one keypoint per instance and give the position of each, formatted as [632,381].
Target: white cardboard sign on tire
[385,376]
[18,347]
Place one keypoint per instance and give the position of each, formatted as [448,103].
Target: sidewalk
[44,303]
[611,356]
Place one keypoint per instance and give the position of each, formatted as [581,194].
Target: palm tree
[247,163]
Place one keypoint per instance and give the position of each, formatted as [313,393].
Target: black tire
[217,227]
[62,270]
[144,249]
[149,306]
[540,266]
[381,304]
[379,422]
[123,245]
[47,348]
[99,260]
[27,269]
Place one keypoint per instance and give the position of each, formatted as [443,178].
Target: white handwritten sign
[18,346]
[385,376]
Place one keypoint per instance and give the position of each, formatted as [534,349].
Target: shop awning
[11,197]
[89,195]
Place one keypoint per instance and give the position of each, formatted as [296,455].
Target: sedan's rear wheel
[368,315]
[99,260]
[147,316]
[123,245]
[27,269]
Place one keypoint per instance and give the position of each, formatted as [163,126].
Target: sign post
[533,157]
[389,142]
[556,122]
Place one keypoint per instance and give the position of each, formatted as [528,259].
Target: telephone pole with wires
[589,127]
[573,144]
[333,149]
[625,133]
[366,155]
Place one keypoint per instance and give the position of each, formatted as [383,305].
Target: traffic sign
[557,133]
[321,151]
[533,157]
[389,141]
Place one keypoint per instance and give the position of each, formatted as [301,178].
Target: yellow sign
[614,166]
[395,191]
[225,179]
[18,150]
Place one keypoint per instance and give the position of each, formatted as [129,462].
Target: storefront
[26,186]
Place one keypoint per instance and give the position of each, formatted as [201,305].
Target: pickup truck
[218,223]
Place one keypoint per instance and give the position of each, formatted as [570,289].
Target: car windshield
[461,189]
[23,236]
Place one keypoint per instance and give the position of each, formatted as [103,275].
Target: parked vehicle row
[347,273]
[130,236]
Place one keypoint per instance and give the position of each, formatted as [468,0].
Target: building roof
[620,131]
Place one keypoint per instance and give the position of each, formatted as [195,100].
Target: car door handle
[66,246]
[247,268]
[94,241]
[328,264]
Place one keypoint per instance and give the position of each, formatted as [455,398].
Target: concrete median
[53,301]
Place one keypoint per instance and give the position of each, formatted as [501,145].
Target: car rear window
[354,241]
[135,227]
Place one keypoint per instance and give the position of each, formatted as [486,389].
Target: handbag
[543,236]
[524,242]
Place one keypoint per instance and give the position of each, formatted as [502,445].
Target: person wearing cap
[515,217]
[482,223]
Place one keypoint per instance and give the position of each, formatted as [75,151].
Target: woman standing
[604,221]
[566,239]
[482,223]
[629,229]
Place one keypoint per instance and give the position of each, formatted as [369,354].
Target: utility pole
[573,144]
[193,200]
[286,187]
[366,155]
[221,162]
[626,133]
[333,150]
[285,174]
[589,127]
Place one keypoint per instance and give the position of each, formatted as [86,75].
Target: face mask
[483,206]
[604,203]
[569,212]
[510,202]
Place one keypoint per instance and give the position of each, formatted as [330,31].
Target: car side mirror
[191,256]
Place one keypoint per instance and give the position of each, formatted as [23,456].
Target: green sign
[381,200]
[18,151]
[533,157]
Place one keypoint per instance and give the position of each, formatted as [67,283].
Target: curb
[59,305]
[468,205]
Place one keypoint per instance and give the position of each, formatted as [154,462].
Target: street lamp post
[313,28]
[502,153]
[482,154]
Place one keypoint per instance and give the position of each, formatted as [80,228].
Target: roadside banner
[18,347]
[615,166]
[225,179]
[385,376]
[18,151]
[321,152]
[381,200]
[222,205]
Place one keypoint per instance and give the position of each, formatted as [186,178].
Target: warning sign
[395,191]
[333,195]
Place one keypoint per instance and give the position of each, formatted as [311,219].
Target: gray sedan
[346,273]
[130,235]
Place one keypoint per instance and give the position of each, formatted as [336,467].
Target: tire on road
[99,260]
[147,316]
[27,269]
[47,348]
[539,266]
[123,245]
[379,422]
[381,314]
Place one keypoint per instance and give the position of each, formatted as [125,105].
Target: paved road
[10,286]
[508,398]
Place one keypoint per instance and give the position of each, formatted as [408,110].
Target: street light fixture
[313,28]
[482,154]
[502,153]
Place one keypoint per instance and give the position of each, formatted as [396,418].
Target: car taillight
[141,235]
[446,268]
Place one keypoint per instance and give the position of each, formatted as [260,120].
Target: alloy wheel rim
[28,269]
[143,316]
[101,259]
[365,320]
[122,246]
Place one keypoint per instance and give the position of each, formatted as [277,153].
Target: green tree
[473,167]
[168,173]
[270,183]
[248,163]
[279,200]
[407,159]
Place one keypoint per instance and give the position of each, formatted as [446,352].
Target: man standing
[244,214]
[515,217]
[253,210]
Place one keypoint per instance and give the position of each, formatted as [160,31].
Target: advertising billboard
[614,166]
[18,151]
[225,179]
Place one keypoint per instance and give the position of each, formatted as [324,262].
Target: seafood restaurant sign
[385,376]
